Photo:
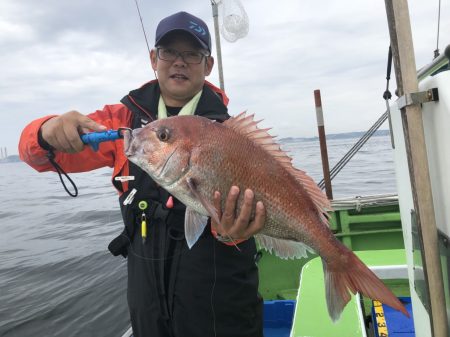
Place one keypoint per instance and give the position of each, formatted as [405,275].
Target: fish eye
[163,134]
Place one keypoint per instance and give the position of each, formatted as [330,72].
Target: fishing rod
[142,25]
[94,139]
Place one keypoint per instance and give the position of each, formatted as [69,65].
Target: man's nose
[179,60]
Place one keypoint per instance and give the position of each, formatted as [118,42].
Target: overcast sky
[59,55]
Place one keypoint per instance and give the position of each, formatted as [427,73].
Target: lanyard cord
[61,172]
[387,94]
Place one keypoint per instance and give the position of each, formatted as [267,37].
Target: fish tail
[354,276]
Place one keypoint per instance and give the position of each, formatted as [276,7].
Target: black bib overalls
[209,290]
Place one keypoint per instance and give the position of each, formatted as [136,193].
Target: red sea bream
[192,157]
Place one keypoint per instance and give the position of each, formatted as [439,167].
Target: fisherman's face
[180,81]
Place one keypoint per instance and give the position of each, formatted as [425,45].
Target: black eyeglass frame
[181,54]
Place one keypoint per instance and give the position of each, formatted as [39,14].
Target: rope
[387,94]
[365,201]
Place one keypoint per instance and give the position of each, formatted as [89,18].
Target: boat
[391,238]
[294,298]
[404,238]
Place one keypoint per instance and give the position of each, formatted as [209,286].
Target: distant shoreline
[10,159]
[344,135]
[356,134]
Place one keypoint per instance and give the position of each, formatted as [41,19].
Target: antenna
[215,11]
[436,52]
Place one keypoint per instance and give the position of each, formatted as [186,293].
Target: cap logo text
[196,27]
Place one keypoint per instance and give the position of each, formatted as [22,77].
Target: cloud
[59,55]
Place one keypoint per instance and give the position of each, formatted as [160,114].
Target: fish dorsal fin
[247,126]
[319,198]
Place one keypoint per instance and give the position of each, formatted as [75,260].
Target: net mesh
[234,20]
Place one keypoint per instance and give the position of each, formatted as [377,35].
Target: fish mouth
[127,140]
[130,146]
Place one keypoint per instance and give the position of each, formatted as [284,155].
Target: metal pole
[406,75]
[323,144]
[215,12]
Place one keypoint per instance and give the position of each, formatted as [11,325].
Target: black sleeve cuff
[42,142]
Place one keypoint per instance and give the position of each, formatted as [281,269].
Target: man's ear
[209,65]
[153,58]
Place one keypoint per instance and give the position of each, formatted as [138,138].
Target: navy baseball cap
[185,22]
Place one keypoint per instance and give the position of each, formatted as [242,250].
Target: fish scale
[260,172]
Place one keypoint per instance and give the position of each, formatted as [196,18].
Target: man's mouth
[179,77]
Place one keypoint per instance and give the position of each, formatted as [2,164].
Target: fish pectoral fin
[194,225]
[285,249]
[207,204]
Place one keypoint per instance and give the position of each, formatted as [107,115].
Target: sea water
[57,277]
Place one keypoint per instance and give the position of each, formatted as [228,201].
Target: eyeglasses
[189,57]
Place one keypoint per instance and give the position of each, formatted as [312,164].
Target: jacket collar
[144,100]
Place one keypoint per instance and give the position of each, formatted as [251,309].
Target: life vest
[143,103]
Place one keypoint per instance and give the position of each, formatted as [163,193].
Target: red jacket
[109,154]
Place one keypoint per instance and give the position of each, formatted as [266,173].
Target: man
[210,290]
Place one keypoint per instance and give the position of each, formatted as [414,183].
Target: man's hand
[238,226]
[63,132]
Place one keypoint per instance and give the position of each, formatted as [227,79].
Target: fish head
[162,149]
